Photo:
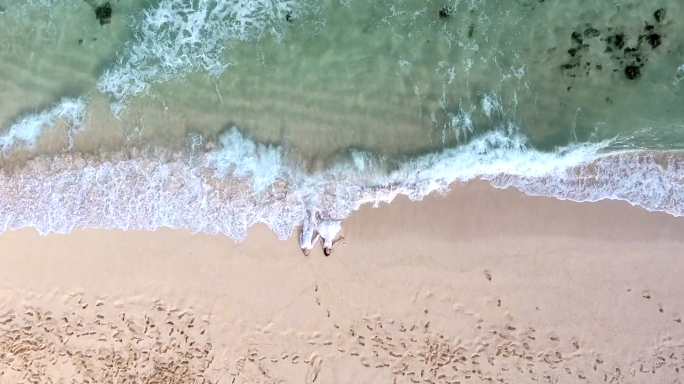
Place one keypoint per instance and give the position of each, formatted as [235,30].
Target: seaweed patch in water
[629,59]
[446,11]
[653,40]
[591,32]
[576,37]
[632,72]
[616,41]
[103,13]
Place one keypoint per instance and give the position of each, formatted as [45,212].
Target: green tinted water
[392,77]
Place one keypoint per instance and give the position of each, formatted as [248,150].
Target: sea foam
[178,37]
[221,191]
[27,130]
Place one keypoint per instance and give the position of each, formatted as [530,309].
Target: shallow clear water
[216,114]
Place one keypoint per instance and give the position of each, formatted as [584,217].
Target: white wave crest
[27,130]
[161,189]
[179,37]
[244,159]
[652,180]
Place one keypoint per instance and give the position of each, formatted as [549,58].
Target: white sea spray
[29,128]
[218,191]
[177,37]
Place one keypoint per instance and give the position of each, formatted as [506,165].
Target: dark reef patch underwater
[623,54]
[103,12]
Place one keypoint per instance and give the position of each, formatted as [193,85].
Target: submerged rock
[628,57]
[103,13]
[632,72]
[615,42]
[653,40]
[591,32]
[576,37]
[446,11]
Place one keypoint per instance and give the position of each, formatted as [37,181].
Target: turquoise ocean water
[214,115]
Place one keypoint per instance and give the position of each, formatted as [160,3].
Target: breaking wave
[228,185]
[178,37]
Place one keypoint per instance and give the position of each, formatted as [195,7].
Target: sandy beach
[124,118]
[480,286]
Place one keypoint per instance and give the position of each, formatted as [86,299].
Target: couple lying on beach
[327,230]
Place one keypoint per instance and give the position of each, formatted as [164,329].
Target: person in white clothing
[306,237]
[328,231]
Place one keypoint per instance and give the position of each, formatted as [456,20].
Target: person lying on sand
[328,231]
[306,237]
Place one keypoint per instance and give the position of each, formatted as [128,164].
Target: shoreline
[228,185]
[521,287]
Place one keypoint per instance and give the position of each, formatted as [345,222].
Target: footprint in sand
[52,349]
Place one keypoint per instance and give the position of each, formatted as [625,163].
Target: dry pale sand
[481,286]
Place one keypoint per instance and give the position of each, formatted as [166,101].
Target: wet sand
[482,285]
